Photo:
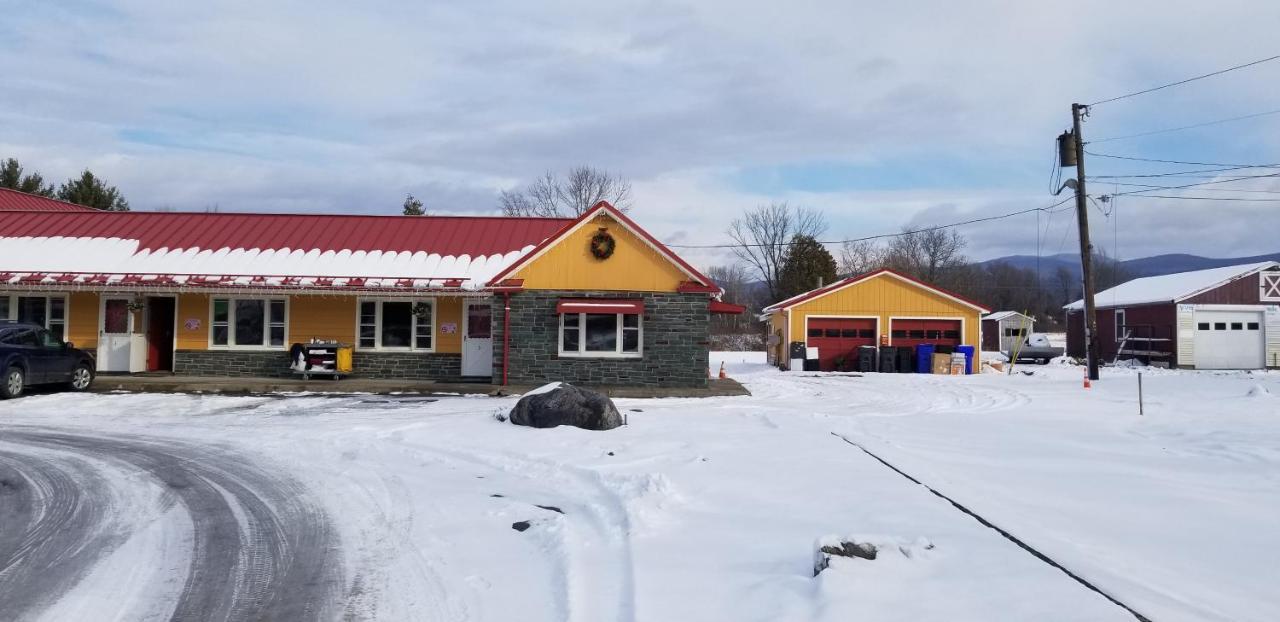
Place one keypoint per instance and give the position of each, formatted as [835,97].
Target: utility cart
[320,358]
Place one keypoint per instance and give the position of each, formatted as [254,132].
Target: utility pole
[1092,350]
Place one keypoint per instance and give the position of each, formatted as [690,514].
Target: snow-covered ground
[365,507]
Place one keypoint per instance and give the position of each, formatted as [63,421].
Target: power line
[1202,183]
[1188,174]
[1136,159]
[1151,187]
[1181,82]
[885,235]
[1187,198]
[1187,127]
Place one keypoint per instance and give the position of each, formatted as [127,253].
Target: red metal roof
[12,200]
[443,235]
[822,291]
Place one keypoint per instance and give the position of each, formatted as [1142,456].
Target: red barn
[1221,318]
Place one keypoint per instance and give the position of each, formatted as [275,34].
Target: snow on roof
[1170,287]
[1000,315]
[105,248]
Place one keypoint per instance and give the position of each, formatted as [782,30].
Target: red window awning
[727,307]
[599,305]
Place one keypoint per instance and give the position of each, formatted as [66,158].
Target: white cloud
[318,107]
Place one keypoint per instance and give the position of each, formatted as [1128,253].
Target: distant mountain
[1144,266]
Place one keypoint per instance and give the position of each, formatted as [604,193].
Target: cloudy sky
[882,114]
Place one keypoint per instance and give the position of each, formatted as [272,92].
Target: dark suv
[31,355]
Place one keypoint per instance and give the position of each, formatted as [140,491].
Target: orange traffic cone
[722,374]
[1086,382]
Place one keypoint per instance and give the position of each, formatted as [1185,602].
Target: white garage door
[1229,340]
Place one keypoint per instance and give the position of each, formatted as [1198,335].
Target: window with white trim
[396,324]
[601,335]
[47,311]
[248,322]
[1270,286]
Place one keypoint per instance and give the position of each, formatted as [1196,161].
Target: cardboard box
[941,363]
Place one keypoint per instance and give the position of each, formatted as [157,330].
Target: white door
[1229,340]
[115,335]
[477,338]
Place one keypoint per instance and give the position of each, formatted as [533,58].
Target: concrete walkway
[219,384]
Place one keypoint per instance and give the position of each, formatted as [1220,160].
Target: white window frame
[266,323]
[413,333]
[12,314]
[617,353]
[1269,286]
[1120,319]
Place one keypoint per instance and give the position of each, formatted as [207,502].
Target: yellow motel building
[591,300]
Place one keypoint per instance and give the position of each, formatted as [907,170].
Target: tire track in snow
[598,581]
[51,512]
[261,550]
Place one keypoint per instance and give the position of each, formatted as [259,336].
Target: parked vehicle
[31,355]
[1035,348]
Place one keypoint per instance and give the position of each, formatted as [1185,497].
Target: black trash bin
[943,349]
[906,359]
[866,358]
[888,360]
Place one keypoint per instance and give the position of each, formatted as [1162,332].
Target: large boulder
[564,404]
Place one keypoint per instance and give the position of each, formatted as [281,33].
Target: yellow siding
[449,311]
[193,307]
[884,297]
[778,327]
[634,266]
[322,317]
[82,319]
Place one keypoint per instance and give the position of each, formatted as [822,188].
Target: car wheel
[13,383]
[81,378]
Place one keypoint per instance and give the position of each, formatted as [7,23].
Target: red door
[912,332]
[839,338]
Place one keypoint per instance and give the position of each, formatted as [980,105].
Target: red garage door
[911,332]
[839,337]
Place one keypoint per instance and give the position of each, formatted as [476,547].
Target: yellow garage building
[880,308]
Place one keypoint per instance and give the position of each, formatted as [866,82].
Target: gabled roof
[1000,315]
[1171,287]
[854,280]
[15,201]
[627,223]
[103,248]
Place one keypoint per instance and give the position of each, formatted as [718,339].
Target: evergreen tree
[412,206]
[90,191]
[11,177]
[807,261]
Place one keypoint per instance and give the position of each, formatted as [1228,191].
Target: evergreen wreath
[602,245]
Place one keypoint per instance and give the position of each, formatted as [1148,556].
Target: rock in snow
[565,404]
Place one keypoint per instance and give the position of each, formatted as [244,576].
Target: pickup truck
[1035,348]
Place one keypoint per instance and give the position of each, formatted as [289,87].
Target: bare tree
[928,255]
[735,280]
[572,194]
[861,257]
[763,236]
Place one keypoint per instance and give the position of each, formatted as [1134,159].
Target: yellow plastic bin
[344,360]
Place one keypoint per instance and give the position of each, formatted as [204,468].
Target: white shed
[1002,330]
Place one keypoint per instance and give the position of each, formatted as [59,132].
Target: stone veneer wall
[275,364]
[676,334]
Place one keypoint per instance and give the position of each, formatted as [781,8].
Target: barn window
[832,332]
[849,333]
[917,334]
[1219,326]
[1237,326]
[950,334]
[866,333]
[1253,326]
[899,334]
[1202,326]
[815,332]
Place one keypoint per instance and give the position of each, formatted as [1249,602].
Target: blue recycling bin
[968,358]
[924,358]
